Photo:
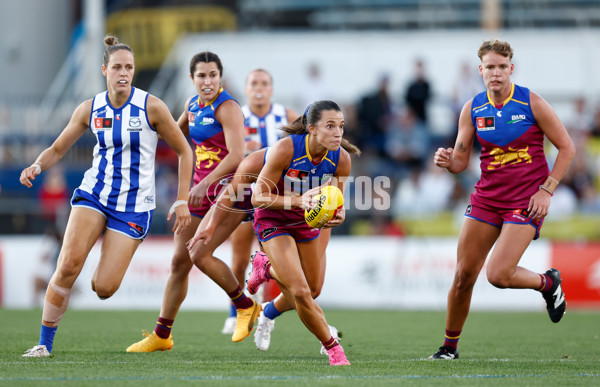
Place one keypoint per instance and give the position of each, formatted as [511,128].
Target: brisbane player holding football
[295,167]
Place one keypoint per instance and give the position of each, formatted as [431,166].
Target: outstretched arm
[75,128]
[278,159]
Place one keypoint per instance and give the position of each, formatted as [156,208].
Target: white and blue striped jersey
[267,129]
[122,172]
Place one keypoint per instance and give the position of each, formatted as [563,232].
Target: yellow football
[330,200]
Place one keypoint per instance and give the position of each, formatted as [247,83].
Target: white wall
[558,65]
[34,39]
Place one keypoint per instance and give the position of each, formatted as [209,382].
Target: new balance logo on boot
[555,297]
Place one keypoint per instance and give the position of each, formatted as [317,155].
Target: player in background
[295,169]
[513,194]
[263,120]
[116,195]
[215,122]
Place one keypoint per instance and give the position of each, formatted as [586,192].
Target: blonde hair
[495,45]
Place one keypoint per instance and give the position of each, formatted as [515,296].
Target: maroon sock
[330,343]
[451,339]
[163,328]
[546,283]
[239,299]
[268,270]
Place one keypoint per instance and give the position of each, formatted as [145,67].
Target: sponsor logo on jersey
[118,117]
[250,130]
[207,121]
[135,124]
[149,199]
[101,123]
[297,174]
[499,113]
[486,123]
[516,118]
[469,209]
[191,118]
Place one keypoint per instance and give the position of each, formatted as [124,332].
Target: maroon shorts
[497,216]
[267,227]
[207,202]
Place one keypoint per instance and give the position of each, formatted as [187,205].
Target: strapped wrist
[177,204]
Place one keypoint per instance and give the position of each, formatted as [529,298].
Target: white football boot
[229,326]
[262,336]
[37,351]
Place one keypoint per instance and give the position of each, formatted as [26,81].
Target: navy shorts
[135,225]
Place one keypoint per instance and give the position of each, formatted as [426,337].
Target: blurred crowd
[393,128]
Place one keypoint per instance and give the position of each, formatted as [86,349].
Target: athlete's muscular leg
[83,230]
[285,257]
[315,283]
[181,264]
[502,270]
[117,252]
[474,243]
[242,241]
[202,255]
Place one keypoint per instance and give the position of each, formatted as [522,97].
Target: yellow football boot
[245,321]
[151,343]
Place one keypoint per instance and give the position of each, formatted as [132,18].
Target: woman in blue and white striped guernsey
[116,195]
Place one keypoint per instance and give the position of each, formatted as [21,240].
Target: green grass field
[384,347]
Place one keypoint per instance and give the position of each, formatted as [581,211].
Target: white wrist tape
[38,167]
[177,204]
